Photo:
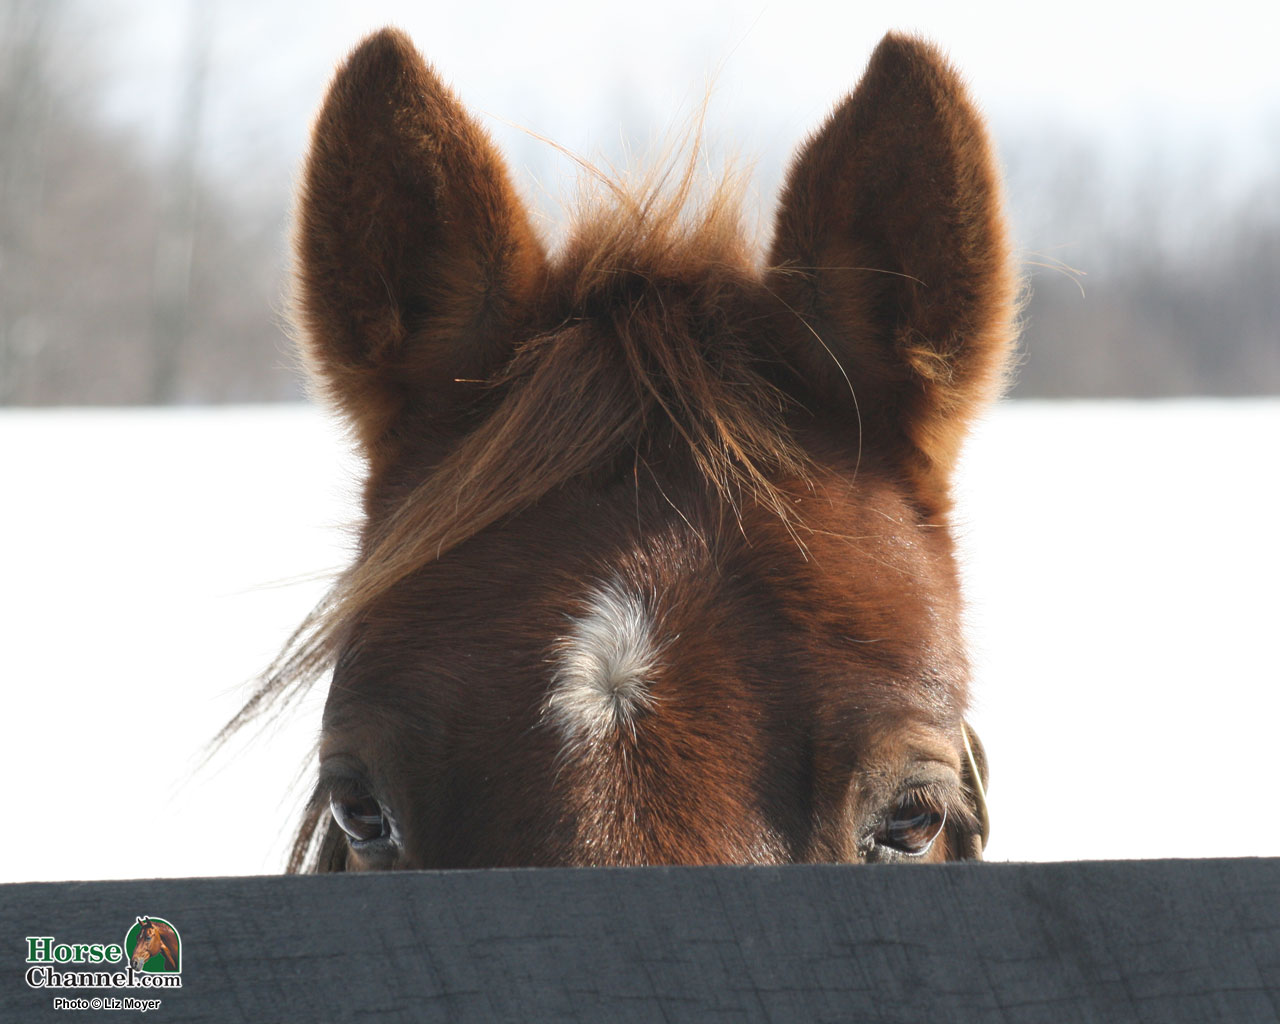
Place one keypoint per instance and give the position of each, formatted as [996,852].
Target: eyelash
[356,811]
[913,834]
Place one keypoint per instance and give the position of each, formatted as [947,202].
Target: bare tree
[25,100]
[179,219]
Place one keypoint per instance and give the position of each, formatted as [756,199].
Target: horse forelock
[651,327]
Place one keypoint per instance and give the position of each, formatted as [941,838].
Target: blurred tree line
[126,279]
[1159,280]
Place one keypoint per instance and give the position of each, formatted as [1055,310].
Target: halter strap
[979,791]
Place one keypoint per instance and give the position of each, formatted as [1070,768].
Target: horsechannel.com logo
[151,955]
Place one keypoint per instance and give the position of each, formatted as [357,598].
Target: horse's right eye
[360,816]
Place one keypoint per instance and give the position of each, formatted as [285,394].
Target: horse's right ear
[414,255]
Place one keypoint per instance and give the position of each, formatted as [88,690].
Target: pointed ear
[415,258]
[891,248]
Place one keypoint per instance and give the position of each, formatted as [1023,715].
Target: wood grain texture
[1159,941]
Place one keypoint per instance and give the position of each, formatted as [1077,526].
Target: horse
[155,938]
[655,562]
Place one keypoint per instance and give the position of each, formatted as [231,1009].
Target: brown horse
[155,938]
[655,564]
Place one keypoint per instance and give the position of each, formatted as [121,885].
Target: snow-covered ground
[1121,559]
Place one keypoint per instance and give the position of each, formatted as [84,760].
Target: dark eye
[912,826]
[360,816]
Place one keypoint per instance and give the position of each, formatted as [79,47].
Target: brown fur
[763,457]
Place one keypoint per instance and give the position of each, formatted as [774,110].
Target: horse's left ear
[415,257]
[891,250]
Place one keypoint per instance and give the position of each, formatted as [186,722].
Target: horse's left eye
[360,816]
[912,827]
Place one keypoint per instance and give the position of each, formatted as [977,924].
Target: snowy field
[1121,562]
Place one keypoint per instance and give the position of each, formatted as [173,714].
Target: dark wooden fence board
[1158,941]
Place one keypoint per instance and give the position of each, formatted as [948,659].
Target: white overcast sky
[1199,83]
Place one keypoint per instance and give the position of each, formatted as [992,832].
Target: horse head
[147,945]
[656,562]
